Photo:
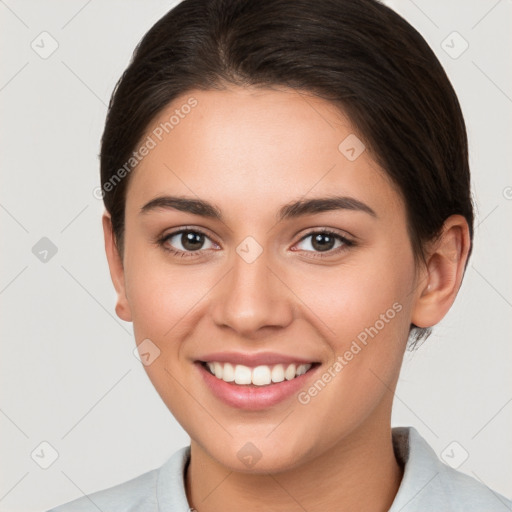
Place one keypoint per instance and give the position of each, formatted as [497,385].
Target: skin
[251,151]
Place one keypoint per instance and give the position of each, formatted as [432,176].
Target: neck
[359,473]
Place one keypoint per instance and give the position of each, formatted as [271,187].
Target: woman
[288,205]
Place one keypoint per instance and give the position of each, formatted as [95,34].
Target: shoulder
[430,485]
[140,494]
[132,495]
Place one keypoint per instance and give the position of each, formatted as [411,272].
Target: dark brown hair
[358,54]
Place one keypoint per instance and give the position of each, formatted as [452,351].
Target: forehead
[247,148]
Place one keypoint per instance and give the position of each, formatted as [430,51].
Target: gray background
[68,374]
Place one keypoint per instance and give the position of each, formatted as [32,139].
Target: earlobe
[442,277]
[116,269]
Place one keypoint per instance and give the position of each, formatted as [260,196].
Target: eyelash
[161,241]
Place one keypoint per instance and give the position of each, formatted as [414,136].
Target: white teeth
[242,374]
[278,373]
[218,369]
[302,369]
[228,373]
[262,375]
[289,373]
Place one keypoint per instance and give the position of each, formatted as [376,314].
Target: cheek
[356,297]
[369,317]
[160,294]
[367,308]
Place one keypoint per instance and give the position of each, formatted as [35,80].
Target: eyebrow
[289,211]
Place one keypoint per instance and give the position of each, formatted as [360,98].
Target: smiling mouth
[263,375]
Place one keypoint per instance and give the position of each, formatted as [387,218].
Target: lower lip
[251,397]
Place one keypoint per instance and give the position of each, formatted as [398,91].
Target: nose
[253,297]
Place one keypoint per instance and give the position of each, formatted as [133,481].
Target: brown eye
[191,241]
[325,241]
[186,240]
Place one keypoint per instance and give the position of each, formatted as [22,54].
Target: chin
[259,455]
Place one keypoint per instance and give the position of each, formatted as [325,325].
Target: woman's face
[258,285]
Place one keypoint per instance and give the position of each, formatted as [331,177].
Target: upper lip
[254,359]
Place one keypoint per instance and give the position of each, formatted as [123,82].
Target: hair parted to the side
[358,54]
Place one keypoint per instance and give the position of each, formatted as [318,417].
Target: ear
[441,278]
[115,264]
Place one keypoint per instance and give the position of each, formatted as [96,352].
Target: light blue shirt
[427,485]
